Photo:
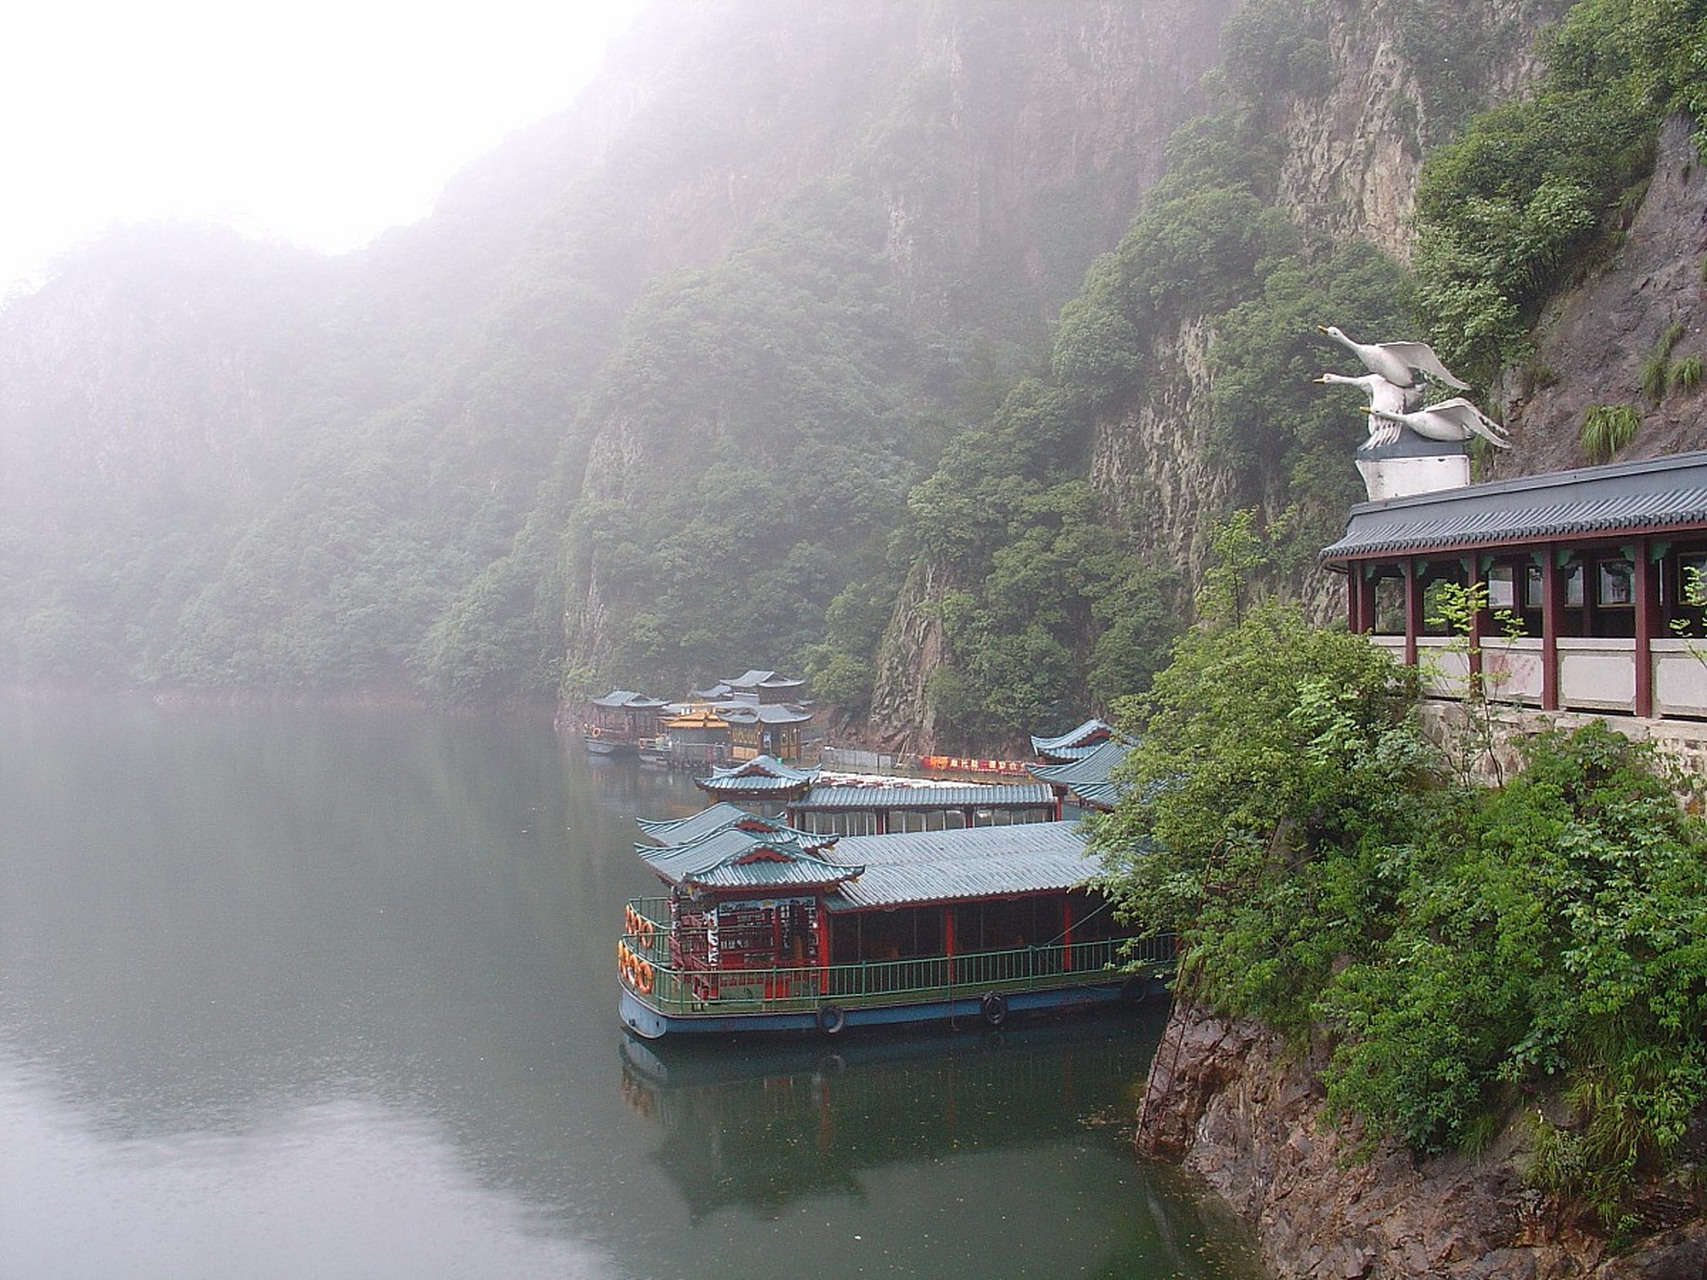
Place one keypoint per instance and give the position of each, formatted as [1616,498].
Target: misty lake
[329,992]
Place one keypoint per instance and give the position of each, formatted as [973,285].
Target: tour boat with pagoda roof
[765,927]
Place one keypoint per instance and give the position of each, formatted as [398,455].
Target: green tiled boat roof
[770,713]
[961,865]
[845,797]
[753,853]
[683,830]
[1087,777]
[760,775]
[628,700]
[1074,742]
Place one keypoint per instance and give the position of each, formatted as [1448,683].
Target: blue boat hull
[831,1019]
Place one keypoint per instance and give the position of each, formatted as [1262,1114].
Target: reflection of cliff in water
[763,1127]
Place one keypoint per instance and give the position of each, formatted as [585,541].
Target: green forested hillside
[228,467]
[822,302]
[1512,209]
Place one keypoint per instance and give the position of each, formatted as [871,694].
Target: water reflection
[290,992]
[762,1128]
[959,1153]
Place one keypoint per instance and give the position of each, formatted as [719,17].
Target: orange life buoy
[643,977]
[645,932]
[630,919]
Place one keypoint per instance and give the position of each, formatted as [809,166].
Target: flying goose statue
[1383,395]
[1454,421]
[1401,363]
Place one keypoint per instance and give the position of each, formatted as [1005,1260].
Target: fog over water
[292,992]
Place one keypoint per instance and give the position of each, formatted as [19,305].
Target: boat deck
[659,997]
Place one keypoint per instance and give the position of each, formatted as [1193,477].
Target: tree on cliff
[1275,762]
[1534,953]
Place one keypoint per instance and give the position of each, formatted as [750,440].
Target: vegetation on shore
[1475,956]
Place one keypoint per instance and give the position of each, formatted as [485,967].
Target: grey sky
[321,122]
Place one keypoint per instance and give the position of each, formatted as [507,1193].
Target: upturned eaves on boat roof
[755,853]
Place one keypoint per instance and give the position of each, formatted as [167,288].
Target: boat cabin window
[902,934]
[1093,918]
[1008,924]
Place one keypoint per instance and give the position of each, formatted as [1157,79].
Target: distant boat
[765,928]
[621,720]
[606,742]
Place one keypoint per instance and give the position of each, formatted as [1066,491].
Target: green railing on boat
[875,982]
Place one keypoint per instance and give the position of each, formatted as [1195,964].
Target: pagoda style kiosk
[764,784]
[1592,567]
[1082,785]
[762,714]
[1075,744]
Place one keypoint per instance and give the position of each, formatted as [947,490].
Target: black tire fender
[994,1007]
[831,1019]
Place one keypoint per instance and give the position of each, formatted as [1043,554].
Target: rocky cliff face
[1351,156]
[1152,462]
[1391,87]
[1009,144]
[1595,341]
[913,648]
[1238,1110]
[1389,79]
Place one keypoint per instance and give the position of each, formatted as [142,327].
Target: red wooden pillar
[1413,610]
[823,949]
[1552,617]
[1477,580]
[1354,585]
[1067,934]
[1647,618]
[948,940]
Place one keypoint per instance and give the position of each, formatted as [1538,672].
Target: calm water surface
[329,993]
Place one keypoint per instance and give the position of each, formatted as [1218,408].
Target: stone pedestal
[1412,465]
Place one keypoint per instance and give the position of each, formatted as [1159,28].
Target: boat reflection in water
[762,1128]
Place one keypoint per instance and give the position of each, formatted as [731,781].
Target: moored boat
[620,722]
[765,928]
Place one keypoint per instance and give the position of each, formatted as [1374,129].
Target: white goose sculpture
[1382,395]
[1454,421]
[1400,363]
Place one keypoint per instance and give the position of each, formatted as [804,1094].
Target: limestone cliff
[1382,83]
[1006,144]
[1594,341]
[1246,1116]
[1349,167]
